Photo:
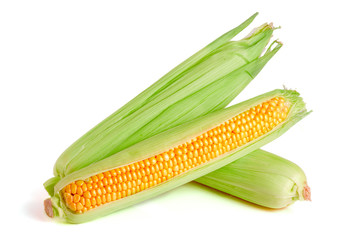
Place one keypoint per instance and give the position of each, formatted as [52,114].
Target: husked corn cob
[206,82]
[174,157]
[262,178]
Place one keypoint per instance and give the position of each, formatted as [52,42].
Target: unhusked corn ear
[176,156]
[220,72]
[262,178]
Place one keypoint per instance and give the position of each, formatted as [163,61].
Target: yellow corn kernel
[129,179]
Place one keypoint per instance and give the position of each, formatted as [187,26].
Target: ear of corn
[175,157]
[262,178]
[206,82]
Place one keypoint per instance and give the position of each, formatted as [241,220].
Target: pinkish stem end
[48,208]
[307,193]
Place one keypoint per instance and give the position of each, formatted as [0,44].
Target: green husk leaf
[50,183]
[173,137]
[262,178]
[181,111]
[221,70]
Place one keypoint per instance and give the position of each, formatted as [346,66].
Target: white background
[66,65]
